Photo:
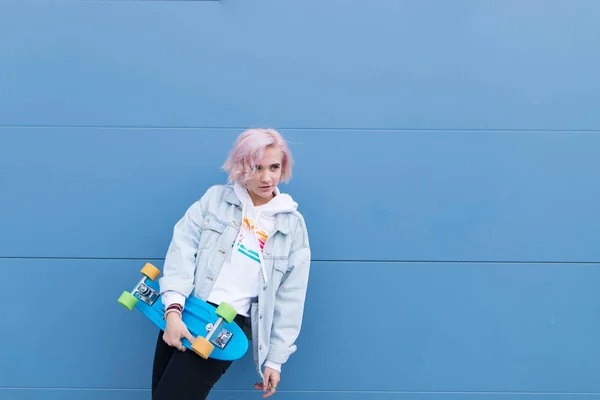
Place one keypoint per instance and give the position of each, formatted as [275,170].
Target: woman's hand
[270,383]
[175,330]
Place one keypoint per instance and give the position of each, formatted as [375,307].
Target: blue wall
[447,157]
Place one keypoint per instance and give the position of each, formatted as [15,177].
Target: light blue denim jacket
[201,241]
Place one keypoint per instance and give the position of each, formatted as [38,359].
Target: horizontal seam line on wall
[321,391]
[165,127]
[316,260]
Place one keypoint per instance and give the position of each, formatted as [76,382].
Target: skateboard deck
[217,335]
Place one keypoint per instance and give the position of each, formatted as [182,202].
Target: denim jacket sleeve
[180,262]
[289,299]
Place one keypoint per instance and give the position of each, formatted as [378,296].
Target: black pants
[178,375]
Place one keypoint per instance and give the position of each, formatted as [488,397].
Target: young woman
[245,244]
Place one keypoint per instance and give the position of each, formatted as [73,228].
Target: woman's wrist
[174,310]
[172,314]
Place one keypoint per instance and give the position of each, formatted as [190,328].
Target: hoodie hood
[281,203]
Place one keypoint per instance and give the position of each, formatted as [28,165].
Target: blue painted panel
[424,327]
[73,394]
[464,64]
[385,195]
[472,134]
[94,394]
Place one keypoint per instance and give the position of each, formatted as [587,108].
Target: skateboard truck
[203,346]
[224,336]
[144,292]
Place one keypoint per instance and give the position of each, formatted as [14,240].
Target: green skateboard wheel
[226,312]
[128,300]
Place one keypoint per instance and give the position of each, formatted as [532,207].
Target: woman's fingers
[269,393]
[189,336]
[173,342]
[261,386]
[269,384]
[174,332]
[185,334]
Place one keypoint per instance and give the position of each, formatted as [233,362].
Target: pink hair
[248,150]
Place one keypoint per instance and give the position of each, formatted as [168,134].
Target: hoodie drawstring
[260,251]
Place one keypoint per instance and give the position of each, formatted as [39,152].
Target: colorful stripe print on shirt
[247,227]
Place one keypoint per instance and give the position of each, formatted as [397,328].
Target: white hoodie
[240,277]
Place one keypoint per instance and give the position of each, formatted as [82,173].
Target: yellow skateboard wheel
[202,347]
[150,271]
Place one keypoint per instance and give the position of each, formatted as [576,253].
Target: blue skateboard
[217,335]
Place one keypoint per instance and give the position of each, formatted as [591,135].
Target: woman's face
[266,177]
